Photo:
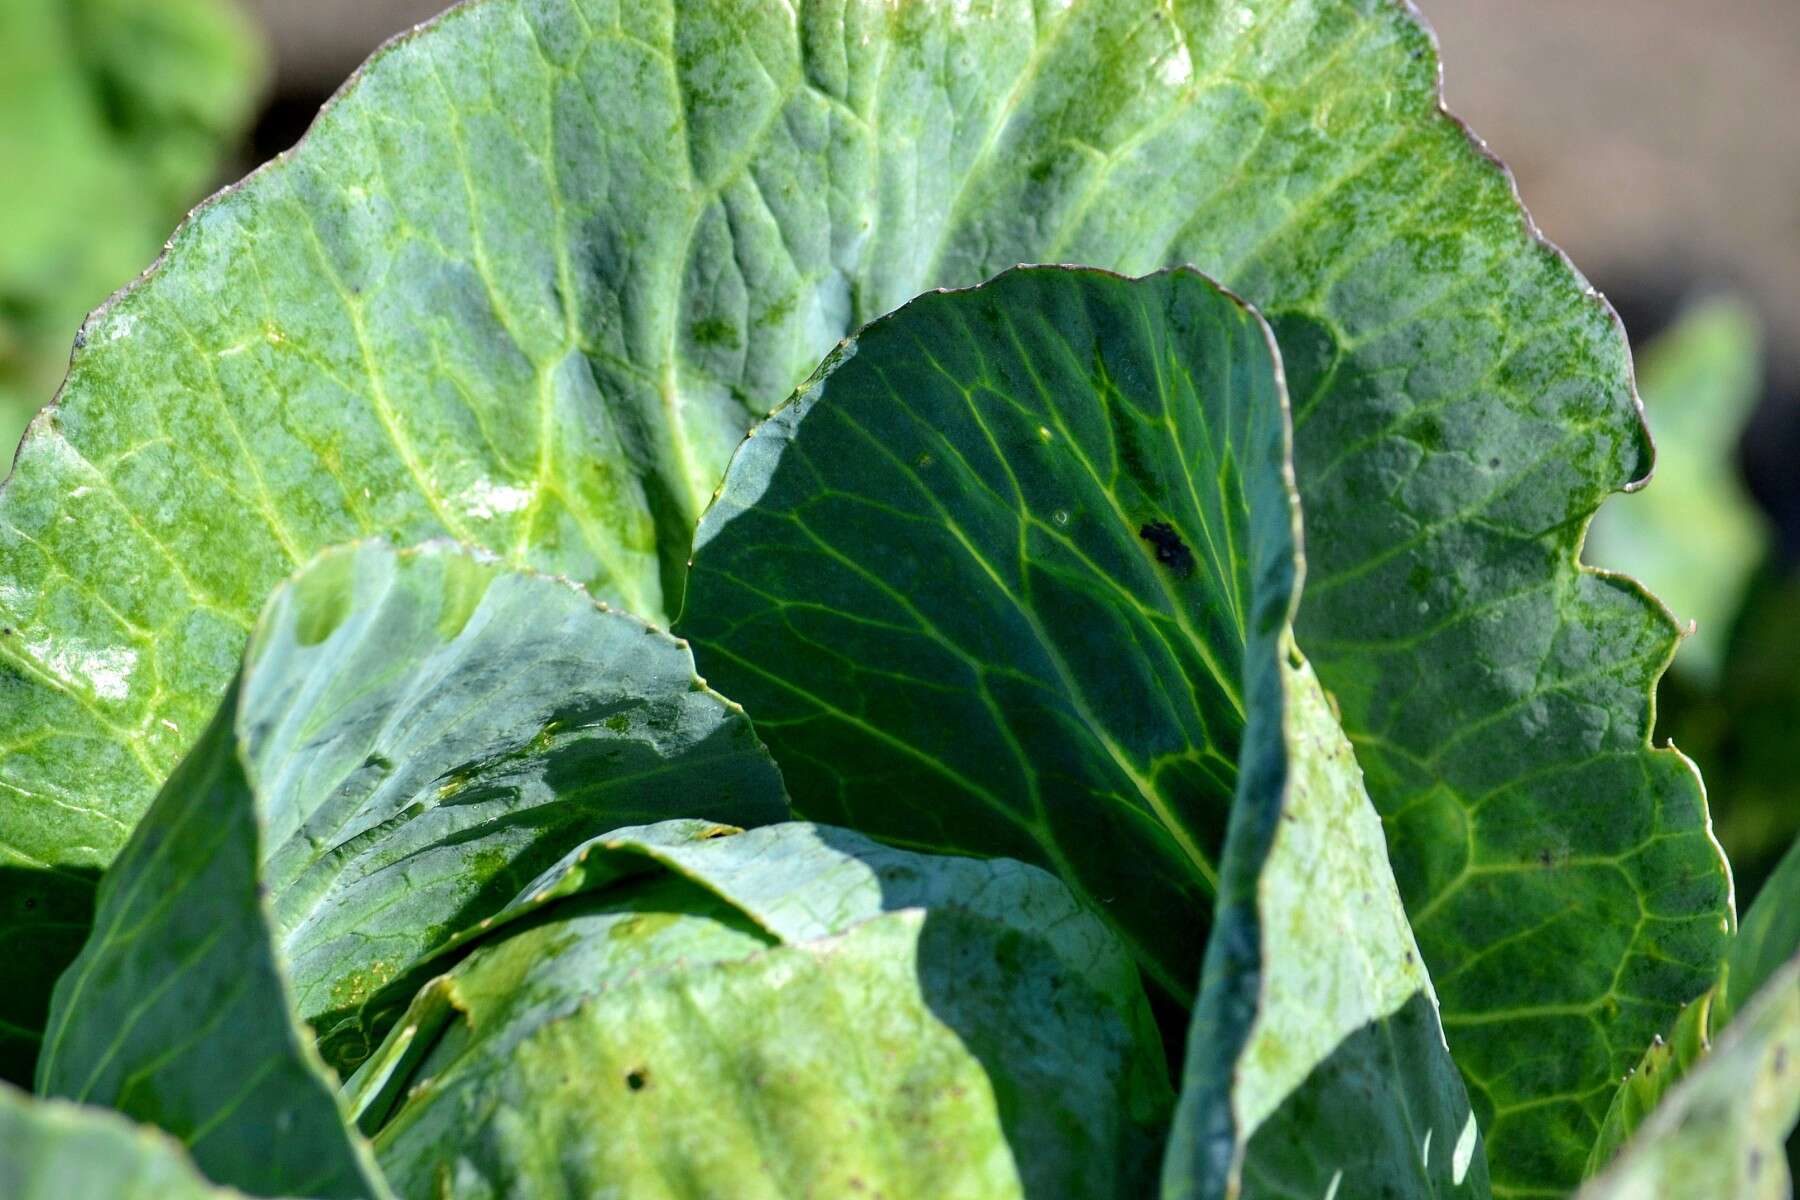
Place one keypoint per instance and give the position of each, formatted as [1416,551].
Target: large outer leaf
[537,267]
[938,579]
[1315,1003]
[54,1150]
[791,1011]
[414,735]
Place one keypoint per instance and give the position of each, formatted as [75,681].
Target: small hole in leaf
[637,1080]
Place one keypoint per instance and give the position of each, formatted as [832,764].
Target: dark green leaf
[412,737]
[1042,515]
[999,580]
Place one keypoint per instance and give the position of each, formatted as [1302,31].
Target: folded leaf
[1718,1135]
[413,735]
[54,1150]
[1316,1065]
[788,1011]
[1053,514]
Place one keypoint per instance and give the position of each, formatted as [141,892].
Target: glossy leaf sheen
[413,736]
[535,271]
[789,1011]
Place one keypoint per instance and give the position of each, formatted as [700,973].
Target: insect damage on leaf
[1171,551]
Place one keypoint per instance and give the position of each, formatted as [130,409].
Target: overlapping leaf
[1718,1134]
[414,735]
[789,1011]
[54,1150]
[1000,579]
[1765,943]
[534,272]
[1316,1064]
[1053,514]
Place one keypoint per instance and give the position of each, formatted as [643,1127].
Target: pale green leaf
[54,1150]
[1316,1065]
[412,737]
[790,1011]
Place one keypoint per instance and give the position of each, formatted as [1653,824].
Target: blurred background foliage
[115,116]
[1653,139]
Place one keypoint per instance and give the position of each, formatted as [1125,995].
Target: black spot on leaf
[1171,551]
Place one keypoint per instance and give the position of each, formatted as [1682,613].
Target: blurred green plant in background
[115,117]
[1731,701]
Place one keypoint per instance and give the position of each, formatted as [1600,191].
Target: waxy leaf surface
[538,267]
[414,736]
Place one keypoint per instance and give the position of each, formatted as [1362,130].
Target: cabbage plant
[591,631]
